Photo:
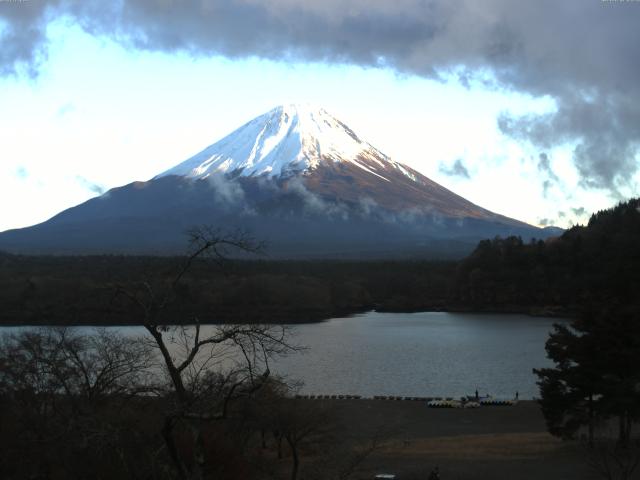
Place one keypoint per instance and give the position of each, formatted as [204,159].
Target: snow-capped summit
[297,178]
[300,141]
[289,139]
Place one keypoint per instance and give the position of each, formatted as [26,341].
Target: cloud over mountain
[582,53]
[458,169]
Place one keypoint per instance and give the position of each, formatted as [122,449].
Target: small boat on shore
[447,403]
[498,401]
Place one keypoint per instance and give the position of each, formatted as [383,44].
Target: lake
[417,354]
[422,354]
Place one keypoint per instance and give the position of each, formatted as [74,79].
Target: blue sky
[98,114]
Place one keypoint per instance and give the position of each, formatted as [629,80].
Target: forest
[587,265]
[80,290]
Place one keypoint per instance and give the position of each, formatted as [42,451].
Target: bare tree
[207,367]
[319,444]
[60,386]
[355,458]
[302,423]
[612,460]
[82,367]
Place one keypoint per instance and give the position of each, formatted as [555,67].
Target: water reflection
[415,354]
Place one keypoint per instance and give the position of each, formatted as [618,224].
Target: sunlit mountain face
[295,177]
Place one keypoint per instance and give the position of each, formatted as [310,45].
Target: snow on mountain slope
[296,177]
[294,142]
[286,140]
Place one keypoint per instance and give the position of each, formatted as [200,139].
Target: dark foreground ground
[508,442]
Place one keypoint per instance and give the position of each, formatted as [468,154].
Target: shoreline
[467,443]
[315,317]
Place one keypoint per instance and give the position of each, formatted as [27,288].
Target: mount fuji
[295,177]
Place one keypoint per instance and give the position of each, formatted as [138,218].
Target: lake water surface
[418,354]
[422,354]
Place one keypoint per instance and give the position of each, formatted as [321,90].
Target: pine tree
[596,375]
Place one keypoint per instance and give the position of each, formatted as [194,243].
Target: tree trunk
[197,472]
[279,443]
[624,429]
[591,421]
[167,435]
[294,458]
[620,429]
[176,378]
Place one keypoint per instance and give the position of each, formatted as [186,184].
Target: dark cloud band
[585,54]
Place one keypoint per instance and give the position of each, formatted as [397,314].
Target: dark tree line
[79,290]
[593,390]
[595,264]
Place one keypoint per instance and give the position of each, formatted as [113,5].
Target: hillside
[296,178]
[596,264]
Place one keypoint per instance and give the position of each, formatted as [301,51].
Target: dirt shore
[491,442]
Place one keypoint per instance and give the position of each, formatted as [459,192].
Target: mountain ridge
[295,177]
[309,142]
[287,139]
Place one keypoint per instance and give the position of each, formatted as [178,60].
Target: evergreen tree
[596,375]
